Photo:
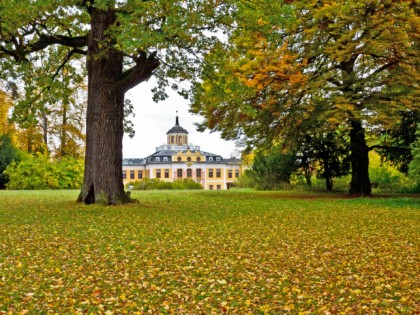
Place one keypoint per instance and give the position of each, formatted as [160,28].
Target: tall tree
[125,42]
[327,153]
[334,61]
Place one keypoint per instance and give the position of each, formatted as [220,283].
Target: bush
[39,172]
[155,183]
[8,154]
[384,175]
[272,171]
[414,167]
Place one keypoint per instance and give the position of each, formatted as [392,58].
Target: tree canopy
[350,64]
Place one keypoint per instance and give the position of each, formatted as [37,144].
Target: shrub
[272,171]
[8,154]
[40,172]
[384,174]
[155,183]
[414,167]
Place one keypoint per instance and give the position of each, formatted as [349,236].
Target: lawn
[233,252]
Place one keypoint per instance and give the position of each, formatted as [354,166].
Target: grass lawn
[233,252]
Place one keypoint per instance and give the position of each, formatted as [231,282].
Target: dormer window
[165,159]
[211,159]
[218,159]
[157,159]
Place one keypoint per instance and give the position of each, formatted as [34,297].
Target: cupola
[177,135]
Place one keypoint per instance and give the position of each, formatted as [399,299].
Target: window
[211,187]
[132,175]
[218,159]
[158,174]
[165,159]
[211,159]
[211,173]
[189,172]
[230,174]
[219,187]
[237,173]
[172,139]
[179,159]
[180,139]
[139,174]
[198,159]
[179,172]
[166,173]
[218,172]
[124,174]
[188,159]
[157,159]
[198,172]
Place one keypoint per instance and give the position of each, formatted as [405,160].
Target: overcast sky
[153,120]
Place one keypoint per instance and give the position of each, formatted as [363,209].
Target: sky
[152,121]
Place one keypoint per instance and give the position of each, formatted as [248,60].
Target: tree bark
[103,181]
[360,183]
[107,84]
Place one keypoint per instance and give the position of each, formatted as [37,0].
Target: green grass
[234,252]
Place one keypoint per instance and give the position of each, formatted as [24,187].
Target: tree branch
[20,51]
[142,71]
[45,41]
[373,147]
[66,59]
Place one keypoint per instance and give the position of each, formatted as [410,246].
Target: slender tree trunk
[63,140]
[103,182]
[360,183]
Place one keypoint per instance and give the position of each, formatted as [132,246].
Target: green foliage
[155,183]
[202,252]
[383,175]
[245,181]
[398,140]
[271,171]
[414,167]
[8,154]
[336,62]
[326,154]
[40,172]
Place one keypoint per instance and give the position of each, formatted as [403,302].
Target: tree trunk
[360,183]
[107,84]
[63,140]
[103,182]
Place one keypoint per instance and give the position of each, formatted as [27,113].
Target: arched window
[180,139]
[172,139]
[179,159]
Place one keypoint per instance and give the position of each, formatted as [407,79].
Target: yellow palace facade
[178,160]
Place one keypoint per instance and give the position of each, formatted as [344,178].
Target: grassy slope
[208,252]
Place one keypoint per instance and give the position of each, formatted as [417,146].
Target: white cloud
[153,120]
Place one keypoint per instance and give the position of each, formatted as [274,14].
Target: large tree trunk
[103,180]
[107,84]
[360,183]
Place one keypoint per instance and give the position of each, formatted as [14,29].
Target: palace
[178,160]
